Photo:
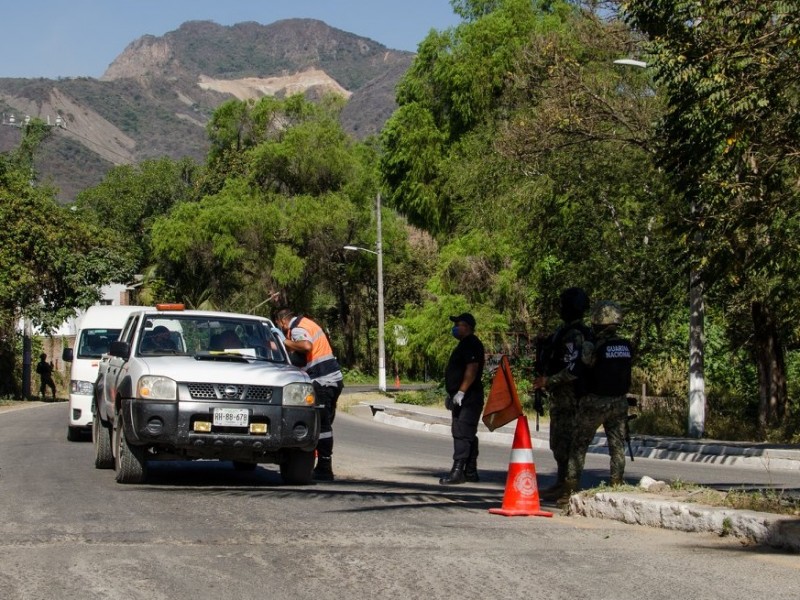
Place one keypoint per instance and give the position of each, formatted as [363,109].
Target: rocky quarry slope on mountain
[157,96]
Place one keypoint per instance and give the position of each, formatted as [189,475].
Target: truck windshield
[93,343]
[193,335]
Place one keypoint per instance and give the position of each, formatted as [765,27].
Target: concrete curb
[657,511]
[757,456]
[709,453]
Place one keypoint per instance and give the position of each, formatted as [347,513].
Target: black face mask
[569,314]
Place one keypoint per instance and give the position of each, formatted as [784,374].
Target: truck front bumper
[186,428]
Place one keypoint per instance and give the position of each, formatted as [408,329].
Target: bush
[426,397]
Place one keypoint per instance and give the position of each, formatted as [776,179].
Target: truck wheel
[129,460]
[297,467]
[101,439]
[74,434]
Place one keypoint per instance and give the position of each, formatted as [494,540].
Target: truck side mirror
[120,349]
[66,355]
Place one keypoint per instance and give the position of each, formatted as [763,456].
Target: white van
[97,328]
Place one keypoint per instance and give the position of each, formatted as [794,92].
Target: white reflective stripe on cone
[522,455]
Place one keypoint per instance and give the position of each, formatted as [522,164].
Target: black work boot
[456,475]
[324,469]
[471,468]
[553,492]
[570,487]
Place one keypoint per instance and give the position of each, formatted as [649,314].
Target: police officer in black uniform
[465,399]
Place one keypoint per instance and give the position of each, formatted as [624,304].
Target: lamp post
[379,253]
[697,393]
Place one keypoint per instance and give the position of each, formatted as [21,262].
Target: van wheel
[129,460]
[297,467]
[101,440]
[74,434]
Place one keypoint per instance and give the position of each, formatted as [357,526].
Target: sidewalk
[635,508]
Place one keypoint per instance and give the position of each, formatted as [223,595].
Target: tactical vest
[320,361]
[611,373]
[553,358]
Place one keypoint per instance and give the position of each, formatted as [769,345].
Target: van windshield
[93,343]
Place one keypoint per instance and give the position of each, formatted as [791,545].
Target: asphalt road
[384,529]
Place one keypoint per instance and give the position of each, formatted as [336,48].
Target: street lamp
[379,253]
[697,393]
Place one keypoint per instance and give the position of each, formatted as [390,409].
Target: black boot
[324,469]
[471,468]
[456,475]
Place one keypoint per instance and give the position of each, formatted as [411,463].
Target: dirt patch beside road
[9,405]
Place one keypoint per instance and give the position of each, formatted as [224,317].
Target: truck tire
[101,440]
[129,460]
[297,467]
[74,434]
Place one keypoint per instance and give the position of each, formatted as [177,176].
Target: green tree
[551,185]
[131,197]
[729,143]
[51,262]
[285,189]
[453,85]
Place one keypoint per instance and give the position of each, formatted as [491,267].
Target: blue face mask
[454,331]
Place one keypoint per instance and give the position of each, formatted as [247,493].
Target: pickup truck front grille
[229,391]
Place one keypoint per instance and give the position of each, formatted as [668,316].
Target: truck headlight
[81,387]
[299,394]
[155,387]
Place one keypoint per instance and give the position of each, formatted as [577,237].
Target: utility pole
[381,340]
[379,253]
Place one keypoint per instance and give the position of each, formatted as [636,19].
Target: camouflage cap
[606,313]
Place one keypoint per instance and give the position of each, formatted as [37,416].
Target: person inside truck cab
[157,340]
[225,340]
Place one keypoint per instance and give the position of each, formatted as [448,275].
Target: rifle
[539,369]
[632,402]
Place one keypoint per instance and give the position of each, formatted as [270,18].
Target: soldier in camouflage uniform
[564,380]
[608,378]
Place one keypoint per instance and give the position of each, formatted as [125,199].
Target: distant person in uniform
[45,371]
[464,387]
[564,379]
[608,358]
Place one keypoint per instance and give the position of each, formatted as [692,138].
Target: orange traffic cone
[397,381]
[521,498]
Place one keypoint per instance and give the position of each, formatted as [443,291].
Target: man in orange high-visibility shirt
[306,337]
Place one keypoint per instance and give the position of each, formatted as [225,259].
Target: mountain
[156,97]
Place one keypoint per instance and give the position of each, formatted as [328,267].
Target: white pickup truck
[182,385]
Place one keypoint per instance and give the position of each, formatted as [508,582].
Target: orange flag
[503,405]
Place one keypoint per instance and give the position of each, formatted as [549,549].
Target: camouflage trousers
[612,413]
[562,424]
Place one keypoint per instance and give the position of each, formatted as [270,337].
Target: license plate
[231,417]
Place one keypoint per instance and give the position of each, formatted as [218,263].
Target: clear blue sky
[64,38]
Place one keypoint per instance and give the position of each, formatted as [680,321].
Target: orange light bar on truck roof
[170,307]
